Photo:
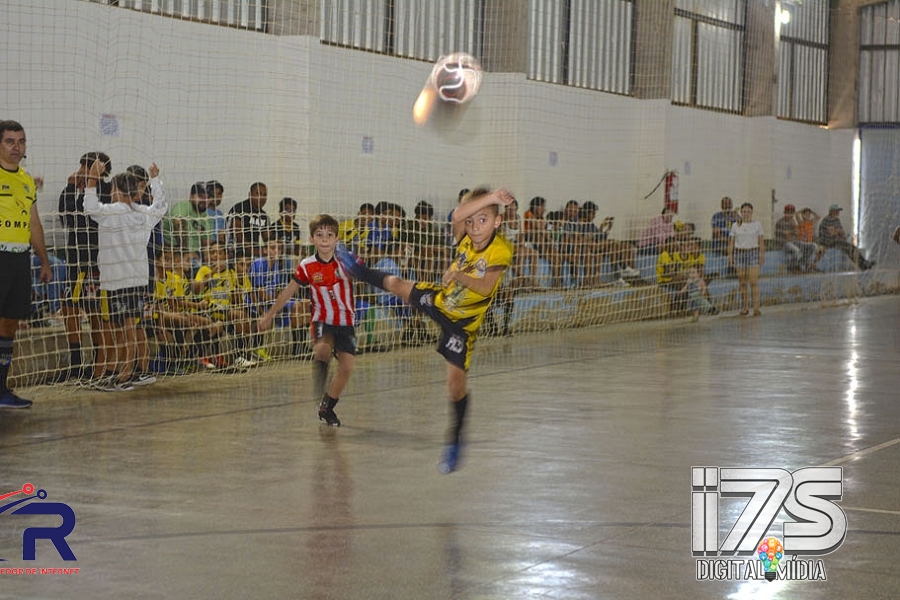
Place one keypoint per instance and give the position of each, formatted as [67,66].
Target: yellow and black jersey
[459,302]
[17,194]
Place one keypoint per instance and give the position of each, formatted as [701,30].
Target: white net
[596,114]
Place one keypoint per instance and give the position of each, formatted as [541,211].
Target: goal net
[621,126]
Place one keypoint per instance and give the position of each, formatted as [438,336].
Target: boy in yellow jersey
[458,304]
[178,312]
[218,285]
[20,232]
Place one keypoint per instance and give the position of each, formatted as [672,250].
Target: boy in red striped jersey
[332,304]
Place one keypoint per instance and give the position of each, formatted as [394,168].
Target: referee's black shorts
[15,291]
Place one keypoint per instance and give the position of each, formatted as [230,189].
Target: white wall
[210,102]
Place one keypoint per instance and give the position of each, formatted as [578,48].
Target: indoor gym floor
[575,481]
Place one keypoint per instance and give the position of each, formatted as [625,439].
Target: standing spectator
[124,228]
[747,253]
[286,229]
[82,292]
[787,235]
[18,206]
[721,225]
[660,229]
[188,225]
[215,194]
[832,235]
[248,223]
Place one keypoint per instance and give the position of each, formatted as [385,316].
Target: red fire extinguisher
[671,190]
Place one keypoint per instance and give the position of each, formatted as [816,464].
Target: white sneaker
[630,272]
[142,380]
[621,283]
[242,362]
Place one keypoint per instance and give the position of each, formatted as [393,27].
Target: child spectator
[333,313]
[178,314]
[124,228]
[697,294]
[459,303]
[269,275]
[218,285]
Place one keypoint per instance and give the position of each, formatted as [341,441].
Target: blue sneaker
[449,459]
[10,400]
[349,262]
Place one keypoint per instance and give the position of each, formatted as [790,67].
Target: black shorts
[118,306]
[83,287]
[456,344]
[344,336]
[15,291]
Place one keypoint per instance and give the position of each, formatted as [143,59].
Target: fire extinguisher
[671,190]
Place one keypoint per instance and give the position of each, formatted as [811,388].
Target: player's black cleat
[326,411]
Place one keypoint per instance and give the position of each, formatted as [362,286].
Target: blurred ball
[456,77]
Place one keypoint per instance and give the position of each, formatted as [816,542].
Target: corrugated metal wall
[708,54]
[802,89]
[246,14]
[426,29]
[585,43]
[879,63]
[423,29]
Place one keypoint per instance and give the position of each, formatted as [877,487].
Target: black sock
[74,355]
[370,276]
[320,374]
[457,419]
[6,354]
[328,402]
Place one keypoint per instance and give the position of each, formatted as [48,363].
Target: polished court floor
[576,481]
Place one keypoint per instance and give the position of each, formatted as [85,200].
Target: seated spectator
[385,227]
[653,239]
[218,285]
[620,254]
[670,276]
[798,254]
[690,256]
[269,275]
[48,297]
[424,239]
[180,318]
[354,232]
[684,230]
[697,294]
[721,225]
[571,242]
[286,230]
[538,234]
[832,235]
[524,252]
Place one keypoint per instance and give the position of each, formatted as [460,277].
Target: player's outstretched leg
[326,411]
[353,265]
[450,455]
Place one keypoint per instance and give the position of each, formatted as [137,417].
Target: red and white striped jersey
[330,291]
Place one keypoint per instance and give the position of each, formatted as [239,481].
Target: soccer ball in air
[456,77]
